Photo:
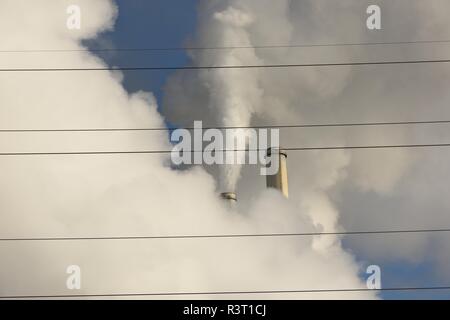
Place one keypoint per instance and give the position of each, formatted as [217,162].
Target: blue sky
[149,24]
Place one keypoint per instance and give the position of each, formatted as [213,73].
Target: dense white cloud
[115,195]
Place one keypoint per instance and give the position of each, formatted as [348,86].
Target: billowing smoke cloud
[359,190]
[123,195]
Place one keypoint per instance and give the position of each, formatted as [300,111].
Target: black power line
[267,66]
[273,46]
[218,236]
[400,146]
[288,126]
[105,295]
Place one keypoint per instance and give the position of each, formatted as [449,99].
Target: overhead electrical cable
[118,152]
[197,293]
[285,126]
[224,47]
[219,236]
[222,67]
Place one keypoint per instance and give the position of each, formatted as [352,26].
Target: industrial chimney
[230,197]
[280,179]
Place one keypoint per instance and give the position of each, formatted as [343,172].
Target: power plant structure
[277,181]
[229,196]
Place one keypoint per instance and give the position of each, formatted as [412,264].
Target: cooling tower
[280,179]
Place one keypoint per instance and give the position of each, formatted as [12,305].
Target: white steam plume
[234,95]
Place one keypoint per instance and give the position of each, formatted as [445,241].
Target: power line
[182,48]
[267,66]
[105,295]
[313,125]
[219,236]
[437,145]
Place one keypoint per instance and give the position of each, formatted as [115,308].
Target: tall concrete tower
[280,179]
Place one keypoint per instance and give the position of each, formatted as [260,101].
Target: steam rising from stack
[234,95]
[277,181]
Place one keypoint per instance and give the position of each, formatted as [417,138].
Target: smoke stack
[279,180]
[229,197]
